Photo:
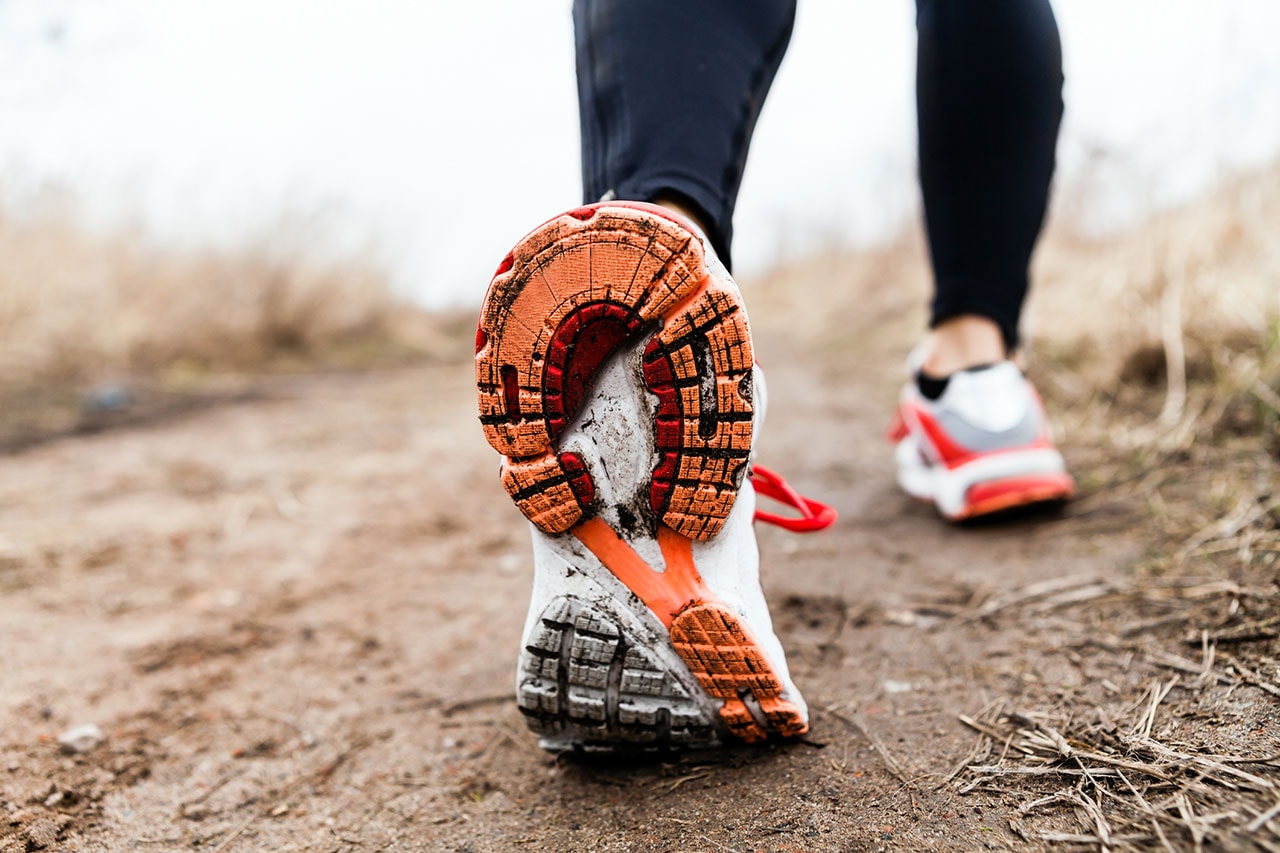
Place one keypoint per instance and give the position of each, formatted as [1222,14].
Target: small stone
[42,833]
[195,811]
[80,739]
[110,397]
[53,799]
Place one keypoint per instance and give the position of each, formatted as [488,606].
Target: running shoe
[983,446]
[616,378]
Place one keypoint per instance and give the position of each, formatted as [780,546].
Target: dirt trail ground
[295,619]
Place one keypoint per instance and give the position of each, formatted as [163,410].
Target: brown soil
[295,616]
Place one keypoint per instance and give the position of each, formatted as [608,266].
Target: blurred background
[427,137]
[188,188]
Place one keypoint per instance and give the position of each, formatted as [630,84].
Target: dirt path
[295,619]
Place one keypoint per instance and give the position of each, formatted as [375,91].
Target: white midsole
[947,488]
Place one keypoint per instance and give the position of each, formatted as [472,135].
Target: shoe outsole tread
[584,683]
[574,290]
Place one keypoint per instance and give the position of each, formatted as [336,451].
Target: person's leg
[615,374]
[972,437]
[669,92]
[989,100]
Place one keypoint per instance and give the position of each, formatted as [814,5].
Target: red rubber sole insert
[1000,495]
[577,289]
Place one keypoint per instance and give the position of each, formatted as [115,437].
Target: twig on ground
[1031,592]
[1076,838]
[691,777]
[1250,677]
[473,702]
[1100,824]
[226,842]
[855,722]
[1145,806]
[1169,661]
[1246,512]
[1264,818]
[1157,695]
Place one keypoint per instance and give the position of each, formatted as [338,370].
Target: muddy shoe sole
[615,377]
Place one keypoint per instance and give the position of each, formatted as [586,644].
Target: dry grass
[1188,305]
[1176,755]
[97,332]
[1171,742]
[76,308]
[1158,351]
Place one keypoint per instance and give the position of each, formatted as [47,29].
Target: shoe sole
[566,298]
[571,294]
[996,496]
[991,484]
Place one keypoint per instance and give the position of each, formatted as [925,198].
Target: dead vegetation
[1158,351]
[1170,745]
[74,307]
[100,331]
[1172,337]
[1184,311]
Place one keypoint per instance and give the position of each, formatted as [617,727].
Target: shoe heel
[585,683]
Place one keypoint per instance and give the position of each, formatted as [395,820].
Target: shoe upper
[984,411]
[983,446]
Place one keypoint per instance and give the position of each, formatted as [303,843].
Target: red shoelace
[814,515]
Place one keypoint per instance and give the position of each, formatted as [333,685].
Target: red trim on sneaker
[950,452]
[999,495]
[897,429]
[814,515]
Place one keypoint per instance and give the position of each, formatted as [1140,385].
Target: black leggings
[669,93]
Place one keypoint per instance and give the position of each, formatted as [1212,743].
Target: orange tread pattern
[541,489]
[706,459]
[729,665]
[646,266]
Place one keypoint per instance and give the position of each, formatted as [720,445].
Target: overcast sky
[433,135]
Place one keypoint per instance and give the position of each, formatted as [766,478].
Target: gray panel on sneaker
[977,438]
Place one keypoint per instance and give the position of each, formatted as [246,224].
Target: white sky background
[432,135]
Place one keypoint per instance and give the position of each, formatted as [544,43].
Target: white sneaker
[616,376]
[982,447]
